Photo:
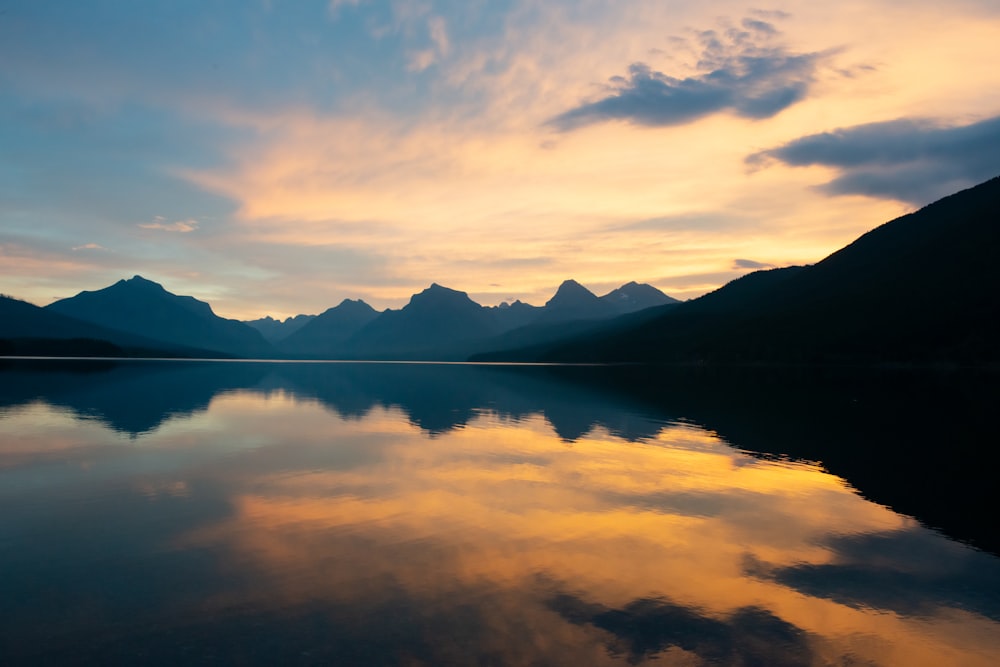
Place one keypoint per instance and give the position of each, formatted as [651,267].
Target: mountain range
[274,330]
[444,324]
[138,317]
[920,289]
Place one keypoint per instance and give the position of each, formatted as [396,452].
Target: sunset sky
[275,157]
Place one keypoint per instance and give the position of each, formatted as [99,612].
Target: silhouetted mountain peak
[633,296]
[435,288]
[437,323]
[139,280]
[138,285]
[437,296]
[325,334]
[571,294]
[348,308]
[354,306]
[516,304]
[267,319]
[275,330]
[137,293]
[143,307]
[513,314]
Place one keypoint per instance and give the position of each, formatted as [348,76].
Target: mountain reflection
[907,440]
[380,514]
[136,397]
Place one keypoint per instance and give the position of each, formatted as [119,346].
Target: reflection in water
[243,513]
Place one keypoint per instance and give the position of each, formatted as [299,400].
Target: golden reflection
[22,438]
[507,510]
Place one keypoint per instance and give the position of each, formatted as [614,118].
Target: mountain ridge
[437,323]
[29,330]
[334,326]
[276,330]
[145,308]
[921,288]
[446,324]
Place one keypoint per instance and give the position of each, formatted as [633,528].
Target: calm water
[376,514]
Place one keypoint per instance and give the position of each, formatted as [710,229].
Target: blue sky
[277,157]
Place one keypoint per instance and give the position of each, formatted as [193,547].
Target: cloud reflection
[433,519]
[364,531]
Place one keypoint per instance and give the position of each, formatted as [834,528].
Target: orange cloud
[442,195]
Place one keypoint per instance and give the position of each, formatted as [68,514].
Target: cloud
[507,262]
[704,221]
[89,246]
[750,264]
[770,14]
[646,627]
[418,61]
[910,160]
[909,572]
[740,72]
[437,32]
[180,226]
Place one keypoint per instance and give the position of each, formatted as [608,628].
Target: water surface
[381,514]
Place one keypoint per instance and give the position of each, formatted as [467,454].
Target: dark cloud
[769,14]
[911,572]
[750,264]
[910,160]
[758,26]
[741,72]
[648,626]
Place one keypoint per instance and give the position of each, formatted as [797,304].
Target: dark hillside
[920,289]
[143,308]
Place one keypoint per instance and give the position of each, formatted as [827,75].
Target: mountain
[326,334]
[20,319]
[27,330]
[633,296]
[144,308]
[513,315]
[573,301]
[274,330]
[575,310]
[445,324]
[438,323]
[920,289]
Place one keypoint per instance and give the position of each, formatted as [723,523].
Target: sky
[273,157]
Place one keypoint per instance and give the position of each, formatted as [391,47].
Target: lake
[216,513]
